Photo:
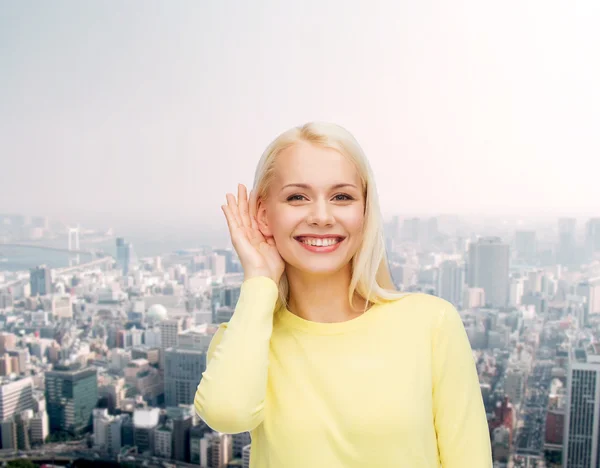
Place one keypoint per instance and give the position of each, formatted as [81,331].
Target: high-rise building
[590,290]
[225,295]
[488,268]
[196,436]
[145,422]
[228,254]
[39,426]
[516,291]
[40,279]
[592,237]
[182,368]
[566,252]
[182,418]
[582,416]
[163,440]
[432,229]
[8,431]
[71,396]
[15,396]
[525,245]
[100,419]
[451,280]
[218,264]
[169,329]
[411,230]
[216,450]
[125,255]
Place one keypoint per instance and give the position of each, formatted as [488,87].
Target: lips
[307,236]
[321,249]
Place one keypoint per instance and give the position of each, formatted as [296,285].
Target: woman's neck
[322,298]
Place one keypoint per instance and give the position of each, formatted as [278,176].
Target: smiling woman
[323,360]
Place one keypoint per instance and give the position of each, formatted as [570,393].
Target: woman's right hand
[259,255]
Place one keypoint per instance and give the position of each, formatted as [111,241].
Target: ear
[261,219]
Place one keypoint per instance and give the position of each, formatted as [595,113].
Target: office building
[182,418]
[40,280]
[169,329]
[582,417]
[125,255]
[183,368]
[145,422]
[488,268]
[71,396]
[592,237]
[566,252]
[15,396]
[451,280]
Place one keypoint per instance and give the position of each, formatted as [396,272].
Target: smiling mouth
[319,241]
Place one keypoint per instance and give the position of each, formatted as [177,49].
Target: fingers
[231,222]
[253,212]
[243,206]
[233,208]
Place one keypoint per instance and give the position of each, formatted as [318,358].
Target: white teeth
[320,242]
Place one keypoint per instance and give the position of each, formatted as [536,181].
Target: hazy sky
[145,109]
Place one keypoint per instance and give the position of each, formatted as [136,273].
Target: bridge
[91,252]
[83,266]
[60,271]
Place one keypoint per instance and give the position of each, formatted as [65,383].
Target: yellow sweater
[395,387]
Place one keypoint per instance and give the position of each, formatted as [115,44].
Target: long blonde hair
[371,277]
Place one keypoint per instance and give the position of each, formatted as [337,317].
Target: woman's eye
[339,197]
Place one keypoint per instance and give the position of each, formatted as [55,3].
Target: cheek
[282,223]
[354,221]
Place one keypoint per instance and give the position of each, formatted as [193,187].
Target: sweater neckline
[292,320]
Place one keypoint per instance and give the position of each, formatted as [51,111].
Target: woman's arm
[231,395]
[459,414]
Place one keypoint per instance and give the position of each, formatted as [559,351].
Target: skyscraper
[411,229]
[582,418]
[169,329]
[182,417]
[15,396]
[125,255]
[71,395]
[566,252]
[525,245]
[488,268]
[182,370]
[592,237]
[451,281]
[40,280]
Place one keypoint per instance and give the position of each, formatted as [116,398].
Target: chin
[318,267]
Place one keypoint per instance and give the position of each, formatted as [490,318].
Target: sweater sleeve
[231,395]
[461,426]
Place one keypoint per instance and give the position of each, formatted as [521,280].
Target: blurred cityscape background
[123,125]
[101,347]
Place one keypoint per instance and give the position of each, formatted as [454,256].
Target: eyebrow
[306,186]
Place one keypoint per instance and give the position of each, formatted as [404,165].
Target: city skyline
[122,338]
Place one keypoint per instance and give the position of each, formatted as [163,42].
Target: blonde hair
[371,277]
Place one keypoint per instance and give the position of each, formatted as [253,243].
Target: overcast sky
[153,110]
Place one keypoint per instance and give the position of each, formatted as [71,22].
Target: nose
[320,214]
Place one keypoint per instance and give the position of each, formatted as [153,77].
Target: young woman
[323,361]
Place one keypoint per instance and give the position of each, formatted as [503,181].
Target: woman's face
[314,209]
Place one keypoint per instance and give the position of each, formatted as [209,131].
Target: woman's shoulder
[420,306]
